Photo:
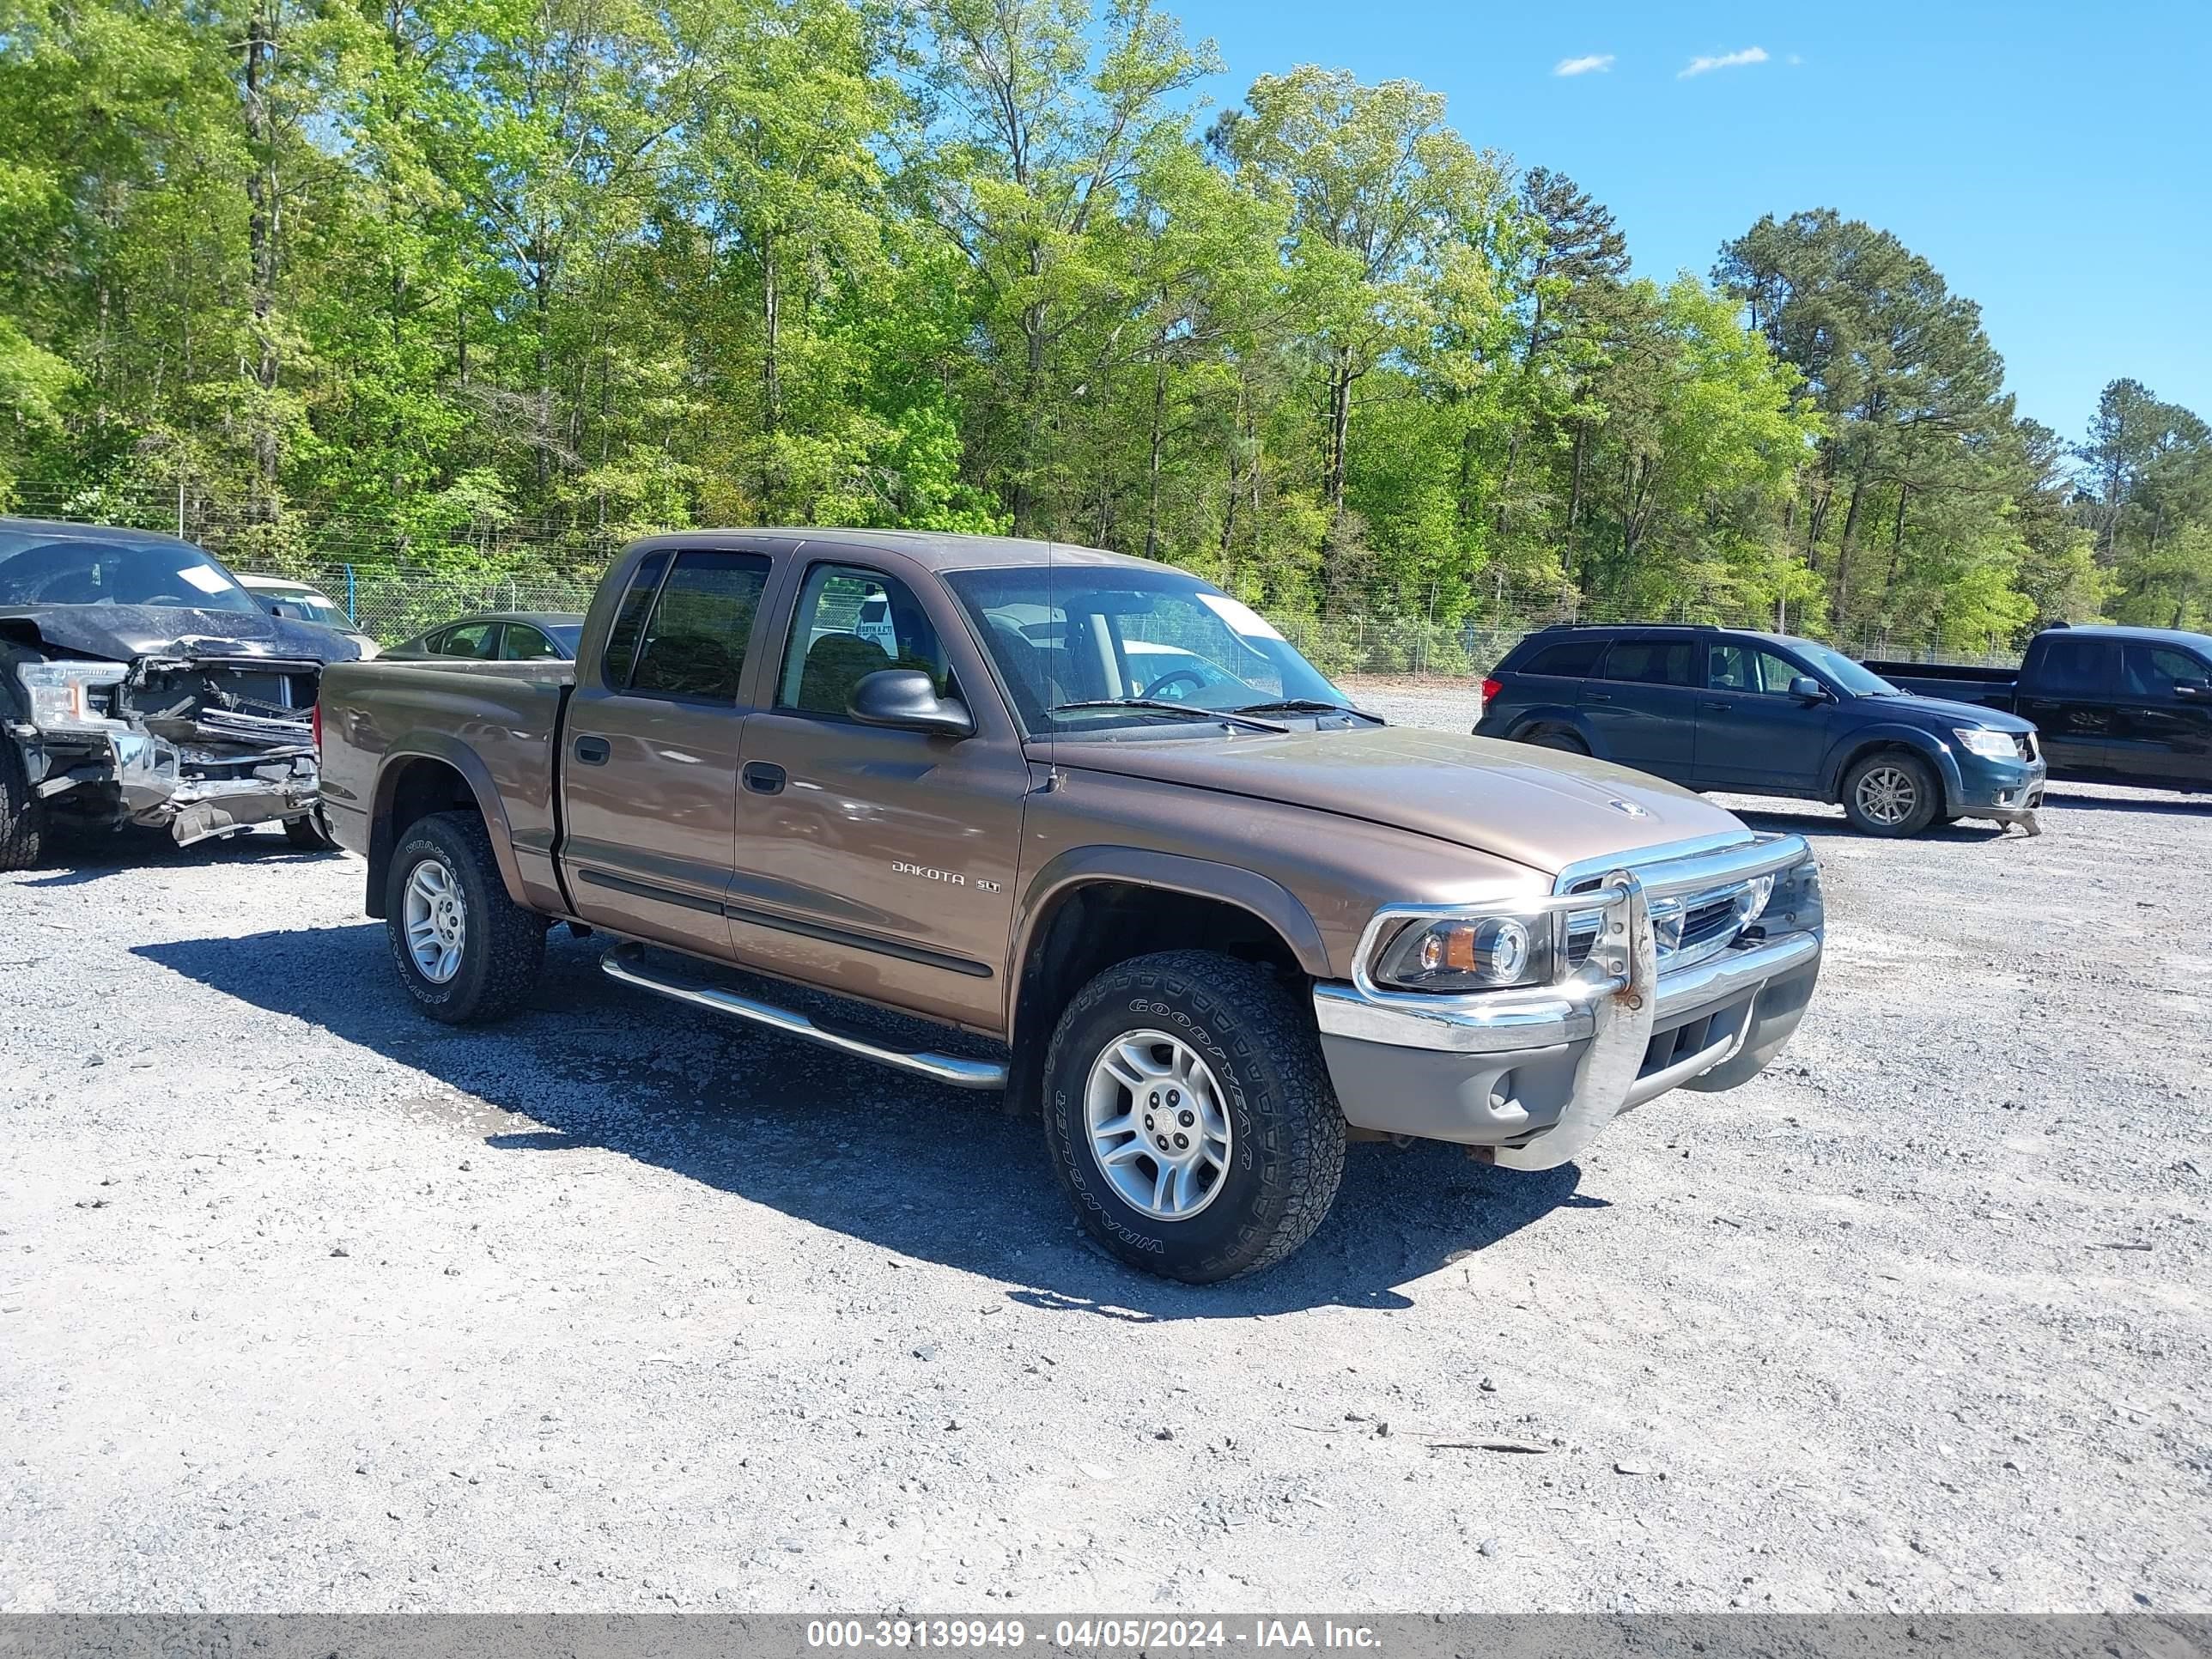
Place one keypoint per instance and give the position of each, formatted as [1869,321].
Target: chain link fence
[392,588]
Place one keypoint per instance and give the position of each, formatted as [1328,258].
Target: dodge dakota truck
[1166,883]
[141,683]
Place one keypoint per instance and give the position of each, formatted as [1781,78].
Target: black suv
[1764,714]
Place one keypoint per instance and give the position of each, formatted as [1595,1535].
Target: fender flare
[451,751]
[1267,899]
[1554,714]
[1891,735]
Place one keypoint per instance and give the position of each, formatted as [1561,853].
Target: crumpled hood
[1538,807]
[119,633]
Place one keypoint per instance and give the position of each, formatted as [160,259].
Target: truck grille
[1692,920]
[1686,930]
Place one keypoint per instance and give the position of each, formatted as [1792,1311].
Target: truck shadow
[910,1167]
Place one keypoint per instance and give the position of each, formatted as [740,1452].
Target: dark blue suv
[1764,714]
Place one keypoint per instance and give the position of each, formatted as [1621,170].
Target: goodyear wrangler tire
[22,818]
[1189,1116]
[466,953]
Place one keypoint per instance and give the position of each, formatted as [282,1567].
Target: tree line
[412,272]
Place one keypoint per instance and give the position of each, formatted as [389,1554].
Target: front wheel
[1190,1117]
[312,834]
[22,816]
[466,951]
[1892,793]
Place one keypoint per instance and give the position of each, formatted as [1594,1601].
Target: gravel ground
[309,1304]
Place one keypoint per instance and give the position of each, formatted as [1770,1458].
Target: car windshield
[1109,634]
[566,634]
[37,569]
[1853,677]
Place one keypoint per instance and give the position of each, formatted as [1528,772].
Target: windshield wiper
[1306,705]
[1160,706]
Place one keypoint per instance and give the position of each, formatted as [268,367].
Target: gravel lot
[308,1302]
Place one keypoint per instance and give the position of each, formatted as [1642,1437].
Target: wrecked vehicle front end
[199,740]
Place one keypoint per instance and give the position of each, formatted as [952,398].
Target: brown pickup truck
[1102,820]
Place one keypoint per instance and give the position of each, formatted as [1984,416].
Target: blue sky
[2054,162]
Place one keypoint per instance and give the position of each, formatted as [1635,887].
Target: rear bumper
[1538,1074]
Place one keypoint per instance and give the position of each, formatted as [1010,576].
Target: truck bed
[501,719]
[1993,688]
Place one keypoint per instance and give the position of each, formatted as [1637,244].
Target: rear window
[1573,659]
[1651,662]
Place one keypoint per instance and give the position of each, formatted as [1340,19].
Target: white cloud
[1597,62]
[1726,60]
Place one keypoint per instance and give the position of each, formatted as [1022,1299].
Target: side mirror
[1806,688]
[904,698]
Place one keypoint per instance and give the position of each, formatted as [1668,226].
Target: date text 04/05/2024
[1079,1635]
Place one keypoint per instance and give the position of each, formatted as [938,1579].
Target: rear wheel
[1891,793]
[1190,1117]
[1559,737]
[23,819]
[466,953]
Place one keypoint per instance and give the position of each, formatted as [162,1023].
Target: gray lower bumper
[1538,1074]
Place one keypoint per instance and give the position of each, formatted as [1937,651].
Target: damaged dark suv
[140,684]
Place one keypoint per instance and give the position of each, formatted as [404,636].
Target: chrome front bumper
[1538,1073]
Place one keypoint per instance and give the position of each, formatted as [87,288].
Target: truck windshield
[1109,636]
[1853,677]
[39,569]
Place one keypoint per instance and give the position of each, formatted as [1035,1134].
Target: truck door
[649,760]
[2067,688]
[1642,703]
[1751,731]
[2162,718]
[878,862]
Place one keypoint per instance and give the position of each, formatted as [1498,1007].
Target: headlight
[1989,745]
[1468,953]
[70,697]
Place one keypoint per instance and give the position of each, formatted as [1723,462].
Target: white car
[283,596]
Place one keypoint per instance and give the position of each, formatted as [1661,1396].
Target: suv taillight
[1490,687]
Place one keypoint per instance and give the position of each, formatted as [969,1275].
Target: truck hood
[1538,807]
[119,633]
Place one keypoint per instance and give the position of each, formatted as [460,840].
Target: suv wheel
[23,819]
[466,951]
[1189,1116]
[1559,737]
[1891,793]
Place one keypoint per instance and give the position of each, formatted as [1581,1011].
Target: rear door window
[695,640]
[478,640]
[2079,668]
[1570,659]
[1651,662]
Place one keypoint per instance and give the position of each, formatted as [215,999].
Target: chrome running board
[627,963]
